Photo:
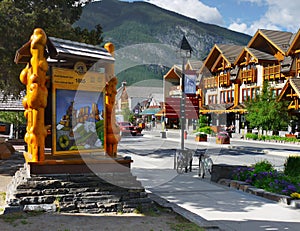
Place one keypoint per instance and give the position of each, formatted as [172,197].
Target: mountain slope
[127,23]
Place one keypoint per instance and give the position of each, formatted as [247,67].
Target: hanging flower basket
[223,138]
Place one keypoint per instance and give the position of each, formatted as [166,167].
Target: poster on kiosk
[78,106]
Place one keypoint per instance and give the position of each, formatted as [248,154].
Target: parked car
[127,128]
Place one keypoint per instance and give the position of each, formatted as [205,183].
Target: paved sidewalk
[212,205]
[219,207]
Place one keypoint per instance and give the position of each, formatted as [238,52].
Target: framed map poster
[78,112]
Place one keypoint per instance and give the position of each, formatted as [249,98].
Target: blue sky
[246,16]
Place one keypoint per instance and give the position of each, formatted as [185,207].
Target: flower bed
[264,177]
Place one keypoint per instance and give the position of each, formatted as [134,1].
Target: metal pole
[182,105]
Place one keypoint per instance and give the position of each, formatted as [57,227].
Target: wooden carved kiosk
[69,106]
[72,135]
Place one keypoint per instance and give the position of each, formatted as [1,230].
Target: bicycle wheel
[209,164]
[201,169]
[180,166]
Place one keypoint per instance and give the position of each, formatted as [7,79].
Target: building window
[276,92]
[249,93]
[227,96]
[212,99]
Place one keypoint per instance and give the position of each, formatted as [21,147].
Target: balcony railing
[272,72]
[298,66]
[249,76]
[224,79]
[211,82]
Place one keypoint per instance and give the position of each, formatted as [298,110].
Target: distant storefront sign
[190,84]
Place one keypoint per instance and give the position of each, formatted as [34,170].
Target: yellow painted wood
[35,101]
[112,134]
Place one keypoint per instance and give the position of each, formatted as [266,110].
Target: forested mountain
[126,24]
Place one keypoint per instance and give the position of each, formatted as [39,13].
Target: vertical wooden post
[35,101]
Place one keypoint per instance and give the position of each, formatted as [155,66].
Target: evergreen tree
[266,112]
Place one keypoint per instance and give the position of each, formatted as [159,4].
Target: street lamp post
[185,53]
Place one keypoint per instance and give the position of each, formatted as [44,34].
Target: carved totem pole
[35,101]
[112,129]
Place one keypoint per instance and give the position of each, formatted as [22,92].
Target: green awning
[150,111]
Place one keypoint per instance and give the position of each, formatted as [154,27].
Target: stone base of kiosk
[77,164]
[76,185]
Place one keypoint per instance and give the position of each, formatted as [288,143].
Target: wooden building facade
[232,74]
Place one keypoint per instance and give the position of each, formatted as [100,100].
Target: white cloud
[193,9]
[279,15]
[284,14]
[241,27]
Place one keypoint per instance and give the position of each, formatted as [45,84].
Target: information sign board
[78,111]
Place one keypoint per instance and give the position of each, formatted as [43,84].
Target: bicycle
[184,159]
[205,165]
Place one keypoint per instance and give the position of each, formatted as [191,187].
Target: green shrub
[292,166]
[252,136]
[263,166]
[206,130]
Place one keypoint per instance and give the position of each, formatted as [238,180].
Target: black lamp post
[185,53]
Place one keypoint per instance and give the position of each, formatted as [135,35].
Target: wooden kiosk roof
[64,50]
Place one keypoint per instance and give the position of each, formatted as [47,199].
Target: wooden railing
[249,76]
[224,79]
[211,82]
[298,66]
[272,72]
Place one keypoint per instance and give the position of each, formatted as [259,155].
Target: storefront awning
[160,113]
[150,111]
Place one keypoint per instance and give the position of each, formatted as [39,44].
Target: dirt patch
[162,219]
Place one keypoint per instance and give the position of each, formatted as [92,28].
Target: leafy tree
[12,117]
[266,112]
[18,18]
[203,125]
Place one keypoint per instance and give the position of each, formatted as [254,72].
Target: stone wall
[81,193]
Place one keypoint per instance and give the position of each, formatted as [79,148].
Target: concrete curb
[247,188]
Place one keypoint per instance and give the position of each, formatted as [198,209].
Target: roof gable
[173,73]
[211,58]
[295,43]
[194,64]
[251,55]
[271,41]
[221,55]
[291,84]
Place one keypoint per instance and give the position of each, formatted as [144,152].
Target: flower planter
[223,140]
[201,139]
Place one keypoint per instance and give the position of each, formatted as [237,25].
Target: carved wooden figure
[35,101]
[112,129]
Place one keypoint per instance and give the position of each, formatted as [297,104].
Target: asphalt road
[160,152]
